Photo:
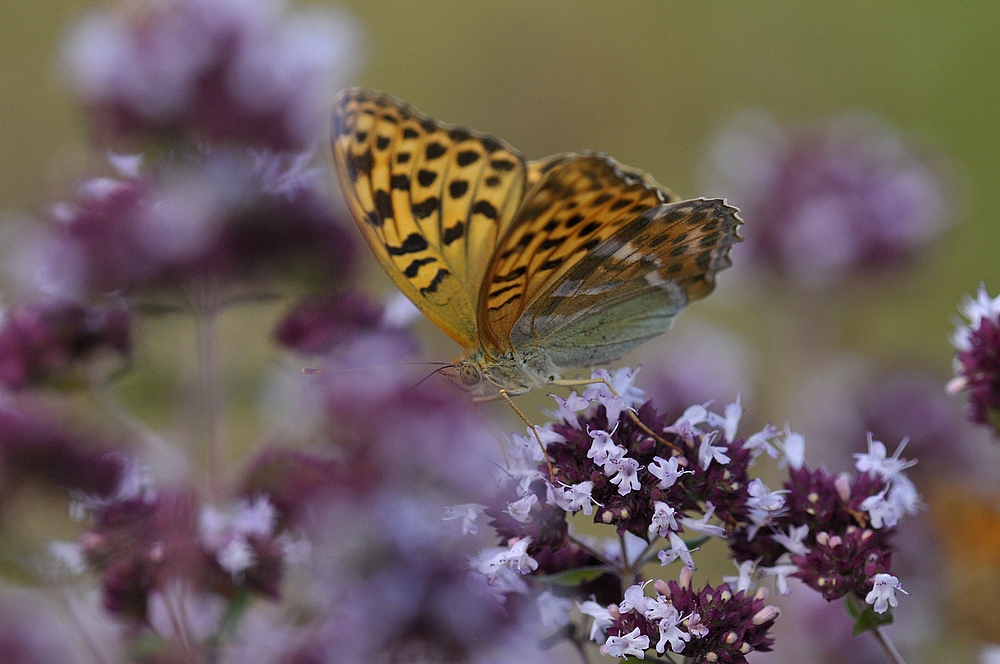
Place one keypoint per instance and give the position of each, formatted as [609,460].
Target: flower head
[977,362]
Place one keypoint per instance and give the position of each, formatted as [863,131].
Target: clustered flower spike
[977,362]
[661,484]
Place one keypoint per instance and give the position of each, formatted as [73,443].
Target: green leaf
[575,577]
[867,620]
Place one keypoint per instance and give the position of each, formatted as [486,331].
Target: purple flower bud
[316,326]
[210,70]
[222,216]
[42,342]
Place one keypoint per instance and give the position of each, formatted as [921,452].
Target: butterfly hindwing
[628,288]
[431,200]
[574,203]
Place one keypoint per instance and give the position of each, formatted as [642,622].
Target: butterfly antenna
[309,371]
[443,366]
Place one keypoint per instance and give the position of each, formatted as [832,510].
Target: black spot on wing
[502,165]
[356,165]
[458,134]
[552,242]
[434,151]
[361,136]
[435,282]
[506,302]
[550,264]
[491,144]
[410,132]
[382,142]
[501,291]
[426,178]
[486,209]
[492,181]
[467,158]
[413,243]
[414,267]
[589,228]
[400,181]
[383,204]
[402,157]
[513,274]
[453,233]
[458,188]
[574,220]
[426,208]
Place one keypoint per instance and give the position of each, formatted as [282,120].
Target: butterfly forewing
[574,203]
[431,200]
[628,288]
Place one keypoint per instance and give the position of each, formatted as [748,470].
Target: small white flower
[468,513]
[627,477]
[570,406]
[573,497]
[634,600]
[602,619]
[68,556]
[975,310]
[744,580]
[678,549]
[780,572]
[602,448]
[729,422]
[613,406]
[689,419]
[793,540]
[707,452]
[664,520]
[880,511]
[702,525]
[760,497]
[793,448]
[876,460]
[883,594]
[631,644]
[667,471]
[553,610]
[237,556]
[520,509]
[761,441]
[904,496]
[697,628]
[621,382]
[670,632]
[518,558]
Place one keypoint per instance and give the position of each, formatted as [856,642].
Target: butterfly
[534,267]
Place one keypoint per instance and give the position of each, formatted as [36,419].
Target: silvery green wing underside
[630,287]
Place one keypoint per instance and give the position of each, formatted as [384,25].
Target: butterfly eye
[469,374]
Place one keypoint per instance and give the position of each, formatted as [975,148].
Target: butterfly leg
[510,402]
[569,382]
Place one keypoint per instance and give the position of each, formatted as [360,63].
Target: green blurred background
[648,82]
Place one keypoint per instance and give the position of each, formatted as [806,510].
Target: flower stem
[210,393]
[887,646]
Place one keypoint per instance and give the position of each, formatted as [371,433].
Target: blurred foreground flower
[222,71]
[824,203]
[214,218]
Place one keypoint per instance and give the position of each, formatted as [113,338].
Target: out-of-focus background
[697,94]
